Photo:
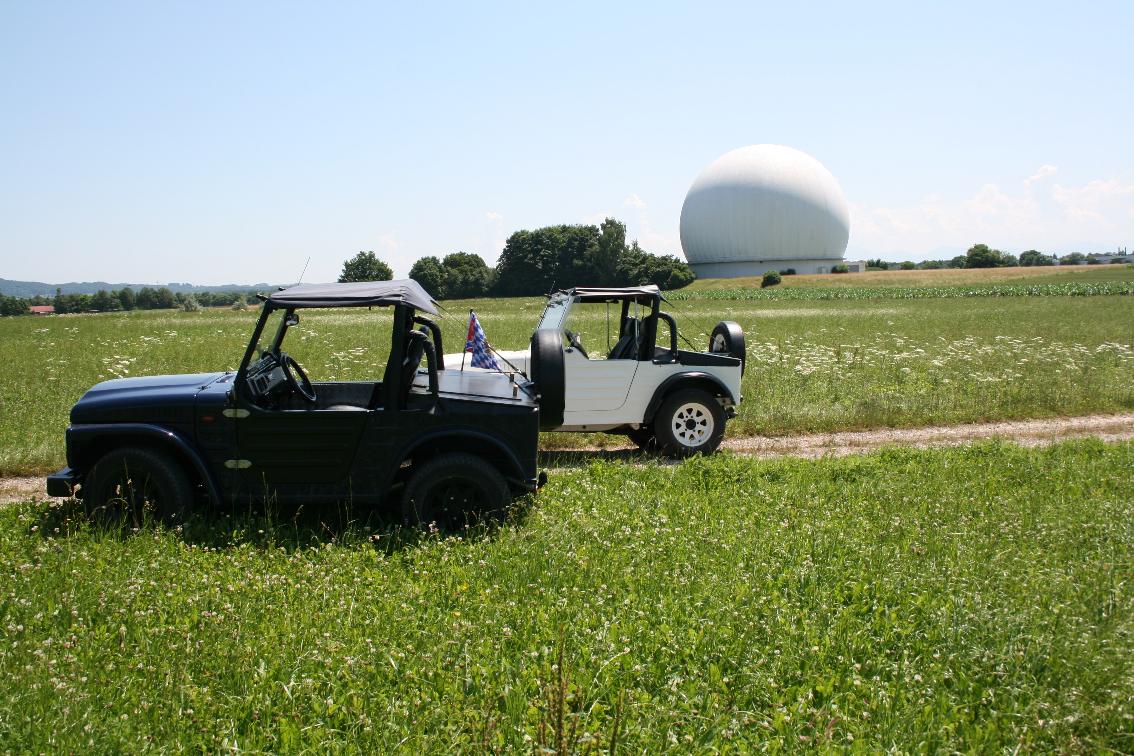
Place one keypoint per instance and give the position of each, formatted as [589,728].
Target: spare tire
[548,374]
[728,338]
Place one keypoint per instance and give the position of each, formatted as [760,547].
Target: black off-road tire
[690,421]
[728,338]
[131,485]
[549,375]
[453,491]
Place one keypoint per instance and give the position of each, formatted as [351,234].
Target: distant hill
[26,289]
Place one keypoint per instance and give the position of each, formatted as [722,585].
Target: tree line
[118,300]
[983,256]
[536,262]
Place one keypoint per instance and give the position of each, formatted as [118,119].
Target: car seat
[627,346]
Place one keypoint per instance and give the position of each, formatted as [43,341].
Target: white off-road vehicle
[607,360]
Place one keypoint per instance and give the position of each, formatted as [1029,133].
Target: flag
[477,343]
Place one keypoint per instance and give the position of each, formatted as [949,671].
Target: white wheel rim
[692,424]
[719,344]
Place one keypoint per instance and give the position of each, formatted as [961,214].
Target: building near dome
[765,207]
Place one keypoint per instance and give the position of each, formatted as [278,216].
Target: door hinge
[237,413]
[237,464]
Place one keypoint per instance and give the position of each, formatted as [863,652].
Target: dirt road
[1024,432]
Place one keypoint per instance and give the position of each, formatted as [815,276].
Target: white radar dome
[764,207]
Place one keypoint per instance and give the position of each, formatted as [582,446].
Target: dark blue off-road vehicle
[463,443]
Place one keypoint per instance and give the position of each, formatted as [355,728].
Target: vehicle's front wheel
[127,486]
[454,491]
[689,422]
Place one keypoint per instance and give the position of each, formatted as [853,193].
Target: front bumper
[63,482]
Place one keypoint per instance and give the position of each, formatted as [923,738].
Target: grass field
[945,277]
[813,366]
[974,599]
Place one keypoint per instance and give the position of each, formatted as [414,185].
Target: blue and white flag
[477,343]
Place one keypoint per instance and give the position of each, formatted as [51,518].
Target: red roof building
[42,309]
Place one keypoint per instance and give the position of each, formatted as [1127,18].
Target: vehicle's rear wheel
[548,373]
[728,338]
[129,485]
[454,491]
[689,422]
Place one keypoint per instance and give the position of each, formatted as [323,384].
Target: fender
[81,436]
[469,440]
[695,378]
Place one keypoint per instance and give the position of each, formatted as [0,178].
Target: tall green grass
[975,599]
[813,366]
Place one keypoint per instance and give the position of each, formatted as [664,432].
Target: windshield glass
[268,335]
[555,312]
[332,344]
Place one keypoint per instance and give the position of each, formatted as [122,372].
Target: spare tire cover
[548,374]
[728,338]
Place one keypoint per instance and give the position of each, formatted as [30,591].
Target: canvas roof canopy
[361,294]
[597,294]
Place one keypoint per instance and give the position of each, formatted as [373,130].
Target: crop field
[883,360]
[974,599]
[944,277]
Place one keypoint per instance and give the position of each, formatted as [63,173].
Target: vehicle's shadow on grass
[556,458]
[292,529]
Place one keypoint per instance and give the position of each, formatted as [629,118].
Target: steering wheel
[296,378]
[573,340]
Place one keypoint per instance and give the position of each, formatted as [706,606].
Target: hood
[157,398]
[519,360]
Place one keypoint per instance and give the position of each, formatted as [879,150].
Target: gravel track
[1109,428]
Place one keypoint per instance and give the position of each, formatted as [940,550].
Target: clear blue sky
[215,142]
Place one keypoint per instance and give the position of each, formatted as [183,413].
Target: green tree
[1073,258]
[982,256]
[1032,258]
[640,267]
[146,299]
[126,298]
[771,278]
[13,306]
[607,254]
[165,299]
[428,272]
[102,301]
[365,266]
[466,275]
[535,262]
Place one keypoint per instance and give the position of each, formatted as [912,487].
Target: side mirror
[292,319]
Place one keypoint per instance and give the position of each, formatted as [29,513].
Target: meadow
[889,359]
[974,599]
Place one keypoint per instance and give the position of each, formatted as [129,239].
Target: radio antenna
[304,271]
